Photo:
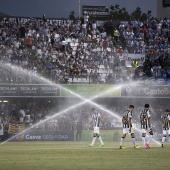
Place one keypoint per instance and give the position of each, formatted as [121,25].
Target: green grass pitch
[78,156]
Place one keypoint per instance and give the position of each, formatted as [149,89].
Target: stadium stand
[78,52]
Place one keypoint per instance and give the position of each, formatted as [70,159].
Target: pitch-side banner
[34,90]
[46,136]
[146,91]
[131,57]
[91,90]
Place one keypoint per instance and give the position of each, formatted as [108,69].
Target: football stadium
[90,91]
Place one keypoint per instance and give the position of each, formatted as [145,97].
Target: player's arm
[149,122]
[140,117]
[100,121]
[169,117]
[130,124]
[123,119]
[162,118]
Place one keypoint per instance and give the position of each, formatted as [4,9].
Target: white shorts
[126,131]
[166,132]
[143,130]
[96,130]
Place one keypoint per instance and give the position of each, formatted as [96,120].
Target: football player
[165,121]
[127,127]
[96,118]
[145,119]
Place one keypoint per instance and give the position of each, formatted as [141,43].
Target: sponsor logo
[29,137]
[147,91]
[63,137]
[95,10]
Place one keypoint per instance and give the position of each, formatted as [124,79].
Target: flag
[16,128]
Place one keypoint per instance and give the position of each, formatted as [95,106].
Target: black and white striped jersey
[96,119]
[165,121]
[125,119]
[144,115]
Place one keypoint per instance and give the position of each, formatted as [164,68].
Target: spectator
[105,44]
[79,128]
[29,42]
[116,35]
[134,64]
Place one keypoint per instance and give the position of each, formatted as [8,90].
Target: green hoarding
[91,90]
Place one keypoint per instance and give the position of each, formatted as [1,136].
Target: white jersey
[96,119]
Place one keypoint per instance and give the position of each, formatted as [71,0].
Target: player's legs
[94,139]
[121,141]
[163,137]
[125,131]
[144,137]
[96,135]
[134,140]
[169,135]
[150,137]
[100,139]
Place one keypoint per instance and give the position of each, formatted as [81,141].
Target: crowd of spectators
[70,50]
[82,49]
[151,38]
